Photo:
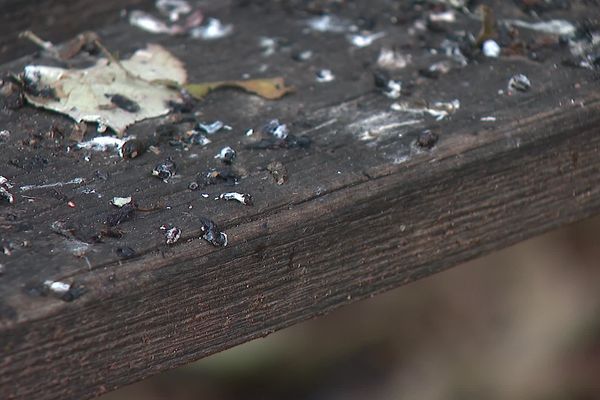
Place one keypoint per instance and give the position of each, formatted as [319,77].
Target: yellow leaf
[273,88]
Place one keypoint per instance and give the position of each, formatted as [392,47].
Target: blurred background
[522,323]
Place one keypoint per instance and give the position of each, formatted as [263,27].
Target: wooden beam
[365,209]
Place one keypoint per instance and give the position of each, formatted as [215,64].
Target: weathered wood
[356,217]
[55,20]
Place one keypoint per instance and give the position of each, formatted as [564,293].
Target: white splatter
[74,181]
[364,39]
[325,75]
[553,27]
[214,29]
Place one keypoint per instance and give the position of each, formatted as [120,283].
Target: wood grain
[54,20]
[356,217]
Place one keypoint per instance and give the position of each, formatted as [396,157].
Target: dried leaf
[112,94]
[488,25]
[271,89]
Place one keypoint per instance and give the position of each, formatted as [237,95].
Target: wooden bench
[373,203]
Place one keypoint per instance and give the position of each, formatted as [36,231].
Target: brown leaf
[273,88]
[488,25]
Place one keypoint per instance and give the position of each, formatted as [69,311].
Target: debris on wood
[325,75]
[448,16]
[5,194]
[301,56]
[213,127]
[553,27]
[4,135]
[172,234]
[392,59]
[243,198]
[212,234]
[330,23]
[173,8]
[104,143]
[364,39]
[519,82]
[62,290]
[439,110]
[276,129]
[213,29]
[389,87]
[165,170]
[173,12]
[215,176]
[125,213]
[268,46]
[226,155]
[132,148]
[197,138]
[435,70]
[275,135]
[491,49]
[57,288]
[584,45]
[125,252]
[427,139]
[278,171]
[74,181]
[120,201]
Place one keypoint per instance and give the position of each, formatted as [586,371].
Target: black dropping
[73,293]
[132,148]
[124,214]
[124,103]
[380,78]
[290,142]
[216,176]
[165,169]
[212,233]
[430,73]
[427,139]
[125,252]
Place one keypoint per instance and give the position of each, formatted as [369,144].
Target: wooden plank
[55,20]
[365,209]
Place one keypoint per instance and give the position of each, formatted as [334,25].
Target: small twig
[112,58]
[29,35]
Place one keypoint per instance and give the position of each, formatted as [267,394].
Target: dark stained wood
[55,20]
[355,218]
